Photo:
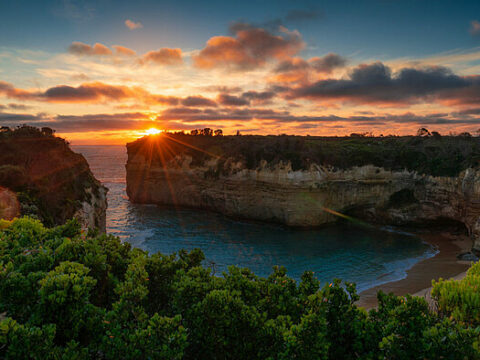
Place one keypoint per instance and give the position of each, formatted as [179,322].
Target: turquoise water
[364,256]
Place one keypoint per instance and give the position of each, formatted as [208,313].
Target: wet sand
[419,278]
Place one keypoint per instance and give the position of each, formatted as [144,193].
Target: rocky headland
[311,181]
[42,177]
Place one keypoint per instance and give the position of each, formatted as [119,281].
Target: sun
[153,131]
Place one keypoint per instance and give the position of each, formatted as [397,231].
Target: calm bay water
[366,257]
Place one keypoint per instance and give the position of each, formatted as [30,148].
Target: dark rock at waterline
[468,256]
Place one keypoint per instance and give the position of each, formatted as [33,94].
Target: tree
[206,132]
[423,132]
[47,131]
[218,132]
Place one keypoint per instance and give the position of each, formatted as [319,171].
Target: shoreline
[444,264]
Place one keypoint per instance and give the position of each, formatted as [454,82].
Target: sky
[106,71]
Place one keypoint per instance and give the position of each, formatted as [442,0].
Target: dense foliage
[66,294]
[50,180]
[433,155]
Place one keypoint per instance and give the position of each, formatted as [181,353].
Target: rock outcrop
[310,197]
[51,182]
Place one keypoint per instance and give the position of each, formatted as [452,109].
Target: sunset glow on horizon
[105,72]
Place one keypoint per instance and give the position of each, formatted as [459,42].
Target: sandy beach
[444,264]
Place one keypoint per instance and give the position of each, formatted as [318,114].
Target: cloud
[10,91]
[82,49]
[15,119]
[250,47]
[88,92]
[221,88]
[122,50]
[197,101]
[246,98]
[163,56]
[189,115]
[79,48]
[327,63]
[232,100]
[376,84]
[98,92]
[187,118]
[475,28]
[296,69]
[133,25]
[14,106]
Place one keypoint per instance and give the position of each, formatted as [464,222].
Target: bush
[66,294]
[460,300]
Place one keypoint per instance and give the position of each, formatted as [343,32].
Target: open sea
[367,257]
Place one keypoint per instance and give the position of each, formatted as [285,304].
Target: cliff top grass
[48,177]
[434,155]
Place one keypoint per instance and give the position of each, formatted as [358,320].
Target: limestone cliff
[51,181]
[304,197]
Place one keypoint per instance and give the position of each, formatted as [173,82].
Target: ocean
[365,256]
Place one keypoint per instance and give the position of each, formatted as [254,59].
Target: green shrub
[460,300]
[66,294]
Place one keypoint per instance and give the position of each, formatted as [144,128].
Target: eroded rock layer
[306,197]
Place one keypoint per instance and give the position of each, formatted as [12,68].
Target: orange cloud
[164,56]
[79,48]
[133,25]
[297,69]
[251,47]
[122,50]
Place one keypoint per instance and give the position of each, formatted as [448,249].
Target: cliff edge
[50,181]
[311,181]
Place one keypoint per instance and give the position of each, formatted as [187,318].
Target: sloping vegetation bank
[67,294]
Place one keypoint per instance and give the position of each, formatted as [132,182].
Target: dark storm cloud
[375,83]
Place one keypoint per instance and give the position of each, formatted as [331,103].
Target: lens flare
[153,131]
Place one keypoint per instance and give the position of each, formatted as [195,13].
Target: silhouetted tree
[218,132]
[206,132]
[423,132]
[47,131]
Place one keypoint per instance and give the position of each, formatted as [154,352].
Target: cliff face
[309,197]
[51,181]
